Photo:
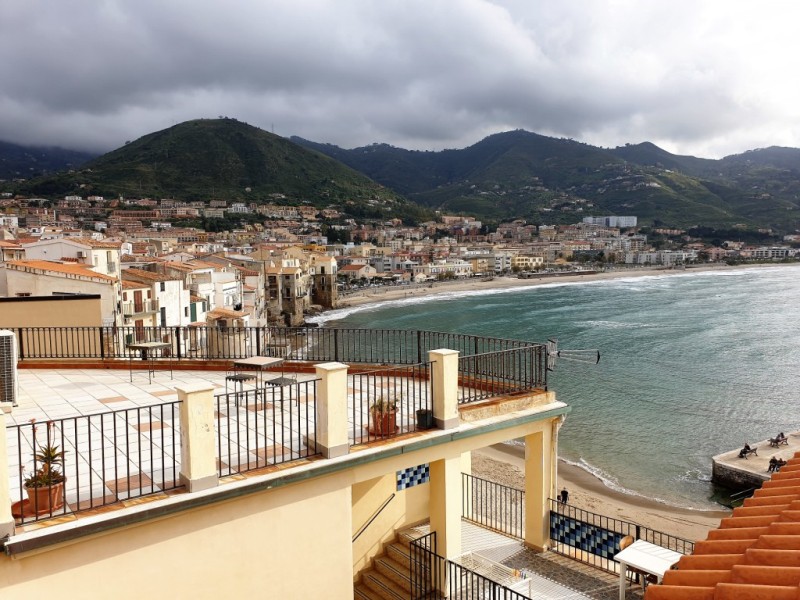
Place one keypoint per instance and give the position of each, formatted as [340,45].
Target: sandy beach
[386,294]
[504,463]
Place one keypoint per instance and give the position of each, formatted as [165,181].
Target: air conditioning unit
[8,367]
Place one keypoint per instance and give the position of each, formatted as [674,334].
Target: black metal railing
[500,373]
[266,426]
[493,505]
[107,457]
[433,576]
[348,345]
[594,538]
[391,401]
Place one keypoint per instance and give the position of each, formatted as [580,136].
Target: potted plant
[384,416]
[45,486]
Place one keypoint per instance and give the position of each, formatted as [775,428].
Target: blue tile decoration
[413,476]
[587,537]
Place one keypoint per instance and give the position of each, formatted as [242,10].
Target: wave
[440,296]
[612,483]
[341,313]
[620,325]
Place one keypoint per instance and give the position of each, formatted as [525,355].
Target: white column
[332,409]
[444,373]
[6,518]
[198,439]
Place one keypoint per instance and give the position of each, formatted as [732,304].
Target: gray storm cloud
[414,73]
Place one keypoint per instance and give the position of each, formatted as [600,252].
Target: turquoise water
[692,365]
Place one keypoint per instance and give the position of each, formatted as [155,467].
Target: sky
[706,78]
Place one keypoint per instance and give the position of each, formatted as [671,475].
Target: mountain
[225,158]
[26,162]
[543,179]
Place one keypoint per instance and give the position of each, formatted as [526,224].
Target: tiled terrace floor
[116,451]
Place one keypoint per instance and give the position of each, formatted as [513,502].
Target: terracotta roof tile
[753,555]
[57,267]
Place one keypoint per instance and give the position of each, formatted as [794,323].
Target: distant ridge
[26,162]
[225,158]
[544,179]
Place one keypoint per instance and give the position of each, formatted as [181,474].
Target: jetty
[731,471]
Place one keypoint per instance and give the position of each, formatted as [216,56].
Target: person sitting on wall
[773,465]
[779,464]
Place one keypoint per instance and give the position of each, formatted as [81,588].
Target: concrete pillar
[444,372]
[198,439]
[332,409]
[445,505]
[6,519]
[540,465]
[466,482]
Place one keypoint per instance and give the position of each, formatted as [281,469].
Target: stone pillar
[332,409]
[198,439]
[6,519]
[445,505]
[444,372]
[540,459]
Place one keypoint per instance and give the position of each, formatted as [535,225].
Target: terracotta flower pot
[384,423]
[47,498]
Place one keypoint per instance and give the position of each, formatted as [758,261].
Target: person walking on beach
[564,496]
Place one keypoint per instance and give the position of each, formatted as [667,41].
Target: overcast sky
[695,77]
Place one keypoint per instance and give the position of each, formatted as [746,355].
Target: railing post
[198,439]
[178,342]
[102,343]
[6,518]
[444,372]
[20,345]
[335,345]
[331,417]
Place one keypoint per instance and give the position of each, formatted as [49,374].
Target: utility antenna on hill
[591,357]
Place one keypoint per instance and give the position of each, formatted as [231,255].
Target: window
[186,312]
[163,286]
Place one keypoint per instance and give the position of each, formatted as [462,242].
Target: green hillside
[27,162]
[224,158]
[522,174]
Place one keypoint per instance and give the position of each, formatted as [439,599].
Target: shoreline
[359,300]
[504,464]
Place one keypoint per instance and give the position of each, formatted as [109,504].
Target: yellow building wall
[283,543]
[408,507]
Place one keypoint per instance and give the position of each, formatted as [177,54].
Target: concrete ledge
[198,485]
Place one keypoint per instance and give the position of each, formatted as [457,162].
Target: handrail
[374,516]
[736,495]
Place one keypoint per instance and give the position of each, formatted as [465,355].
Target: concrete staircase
[389,577]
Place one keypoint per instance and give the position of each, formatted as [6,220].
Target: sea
[692,364]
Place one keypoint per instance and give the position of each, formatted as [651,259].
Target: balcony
[145,307]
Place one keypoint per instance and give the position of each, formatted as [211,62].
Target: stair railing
[373,517]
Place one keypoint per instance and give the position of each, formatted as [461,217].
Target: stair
[389,577]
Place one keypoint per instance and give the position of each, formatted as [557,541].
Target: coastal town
[283,263]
